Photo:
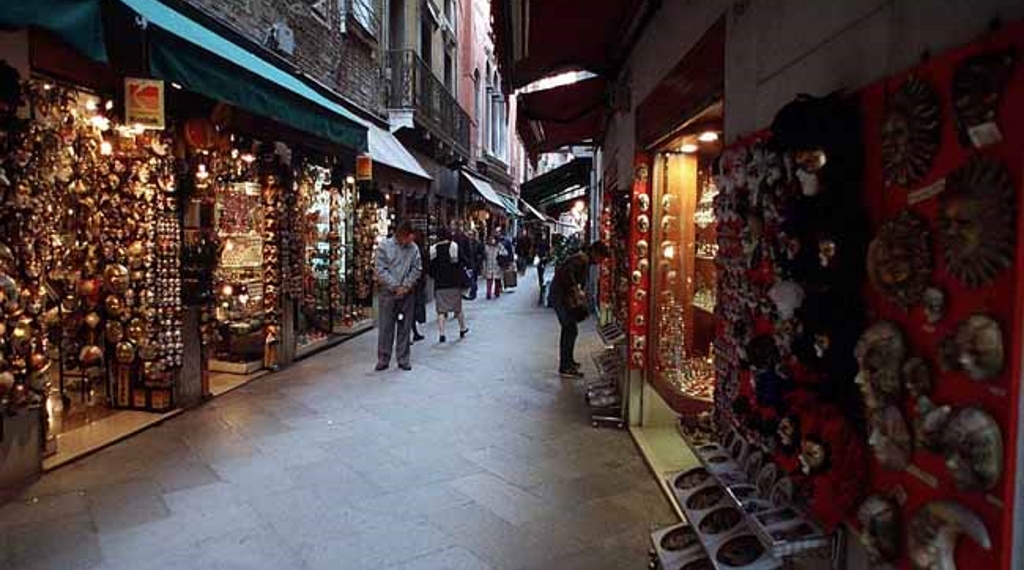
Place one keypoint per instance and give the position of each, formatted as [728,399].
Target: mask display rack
[607,396]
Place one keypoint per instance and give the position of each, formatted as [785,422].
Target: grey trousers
[389,308]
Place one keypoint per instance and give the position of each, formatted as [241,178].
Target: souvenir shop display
[639,283]
[234,244]
[681,277]
[91,260]
[789,247]
[323,217]
[371,227]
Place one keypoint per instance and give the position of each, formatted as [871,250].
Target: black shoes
[463,333]
[442,339]
[417,337]
[573,373]
[381,367]
[406,367]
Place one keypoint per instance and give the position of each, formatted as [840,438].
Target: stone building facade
[336,42]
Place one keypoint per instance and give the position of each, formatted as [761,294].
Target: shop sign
[364,168]
[144,102]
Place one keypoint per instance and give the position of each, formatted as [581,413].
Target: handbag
[576,303]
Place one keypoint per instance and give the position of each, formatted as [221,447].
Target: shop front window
[682,273]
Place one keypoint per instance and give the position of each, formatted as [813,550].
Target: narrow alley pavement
[480,458]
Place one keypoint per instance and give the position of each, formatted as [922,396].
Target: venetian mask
[788,433]
[911,133]
[880,353]
[917,377]
[934,531]
[890,438]
[643,224]
[814,456]
[810,185]
[974,449]
[641,248]
[934,301]
[879,519]
[976,221]
[826,252]
[899,260]
[979,347]
[643,201]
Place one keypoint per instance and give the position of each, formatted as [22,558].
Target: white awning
[485,189]
[388,150]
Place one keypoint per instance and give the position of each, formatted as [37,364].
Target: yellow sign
[144,102]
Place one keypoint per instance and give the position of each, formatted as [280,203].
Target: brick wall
[348,63]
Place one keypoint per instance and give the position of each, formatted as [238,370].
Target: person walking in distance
[449,274]
[492,268]
[398,268]
[543,257]
[568,299]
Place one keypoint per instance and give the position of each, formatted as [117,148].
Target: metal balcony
[412,85]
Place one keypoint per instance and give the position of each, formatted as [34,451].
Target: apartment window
[321,11]
[364,12]
[449,10]
[449,73]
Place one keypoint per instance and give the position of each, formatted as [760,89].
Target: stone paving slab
[481,458]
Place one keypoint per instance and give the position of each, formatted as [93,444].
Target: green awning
[78,22]
[510,205]
[547,187]
[184,51]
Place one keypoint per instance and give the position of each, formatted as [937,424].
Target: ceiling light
[688,148]
[708,137]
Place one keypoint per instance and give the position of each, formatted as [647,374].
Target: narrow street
[480,458]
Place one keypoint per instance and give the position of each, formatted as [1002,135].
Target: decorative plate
[976,221]
[911,133]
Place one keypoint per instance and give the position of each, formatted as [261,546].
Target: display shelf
[235,367]
[676,548]
[606,396]
[611,333]
[355,328]
[782,528]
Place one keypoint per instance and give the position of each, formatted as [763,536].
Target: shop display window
[682,273]
[239,274]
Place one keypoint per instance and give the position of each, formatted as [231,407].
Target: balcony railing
[412,85]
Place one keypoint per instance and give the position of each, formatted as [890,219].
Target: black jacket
[446,269]
[572,271]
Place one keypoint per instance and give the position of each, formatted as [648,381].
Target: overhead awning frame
[386,149]
[484,189]
[77,22]
[186,52]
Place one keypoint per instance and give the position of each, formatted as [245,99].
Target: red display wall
[1000,299]
[927,478]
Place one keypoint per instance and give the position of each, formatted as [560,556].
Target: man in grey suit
[398,268]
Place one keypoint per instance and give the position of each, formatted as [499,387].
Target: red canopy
[565,115]
[539,38]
